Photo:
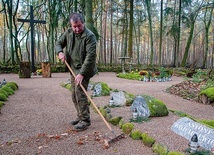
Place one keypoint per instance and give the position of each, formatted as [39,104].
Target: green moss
[160,149]
[209,123]
[129,98]
[157,108]
[3,97]
[66,85]
[108,110]
[127,128]
[209,92]
[8,90]
[147,140]
[12,85]
[136,134]
[1,104]
[105,89]
[131,76]
[121,122]
[108,116]
[103,112]
[115,120]
[3,92]
[175,153]
[179,113]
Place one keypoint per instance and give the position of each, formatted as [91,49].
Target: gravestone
[119,98]
[140,104]
[97,90]
[186,128]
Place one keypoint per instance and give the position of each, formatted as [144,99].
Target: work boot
[82,125]
[75,122]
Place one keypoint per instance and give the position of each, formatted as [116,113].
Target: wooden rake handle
[90,99]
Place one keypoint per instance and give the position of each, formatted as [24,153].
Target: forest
[173,33]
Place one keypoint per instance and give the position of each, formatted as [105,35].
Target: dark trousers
[80,99]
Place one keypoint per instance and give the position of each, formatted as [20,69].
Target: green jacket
[86,51]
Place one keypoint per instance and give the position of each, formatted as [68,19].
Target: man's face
[78,26]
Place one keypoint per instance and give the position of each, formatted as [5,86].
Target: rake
[116,138]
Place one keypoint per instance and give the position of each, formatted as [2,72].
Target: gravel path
[35,120]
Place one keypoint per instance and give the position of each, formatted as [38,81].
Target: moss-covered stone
[160,149]
[3,97]
[1,104]
[129,98]
[209,92]
[3,92]
[115,120]
[103,112]
[105,89]
[157,108]
[108,116]
[136,134]
[127,128]
[175,153]
[8,90]
[180,113]
[12,85]
[121,122]
[108,110]
[147,140]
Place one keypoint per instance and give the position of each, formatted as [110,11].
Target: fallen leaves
[187,89]
[96,137]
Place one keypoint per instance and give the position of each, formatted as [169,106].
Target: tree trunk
[130,49]
[88,17]
[24,70]
[207,26]
[161,34]
[183,63]
[148,6]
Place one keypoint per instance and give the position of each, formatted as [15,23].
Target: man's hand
[62,57]
[78,79]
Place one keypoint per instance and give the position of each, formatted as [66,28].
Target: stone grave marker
[186,128]
[97,90]
[119,98]
[140,104]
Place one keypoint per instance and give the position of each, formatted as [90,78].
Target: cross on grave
[32,21]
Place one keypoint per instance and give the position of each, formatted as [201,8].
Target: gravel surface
[35,120]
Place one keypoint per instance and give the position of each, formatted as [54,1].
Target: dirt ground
[35,120]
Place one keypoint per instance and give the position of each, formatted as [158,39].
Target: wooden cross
[32,21]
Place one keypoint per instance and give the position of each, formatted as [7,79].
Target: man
[80,53]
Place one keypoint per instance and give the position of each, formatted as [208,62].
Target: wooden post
[24,70]
[46,69]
